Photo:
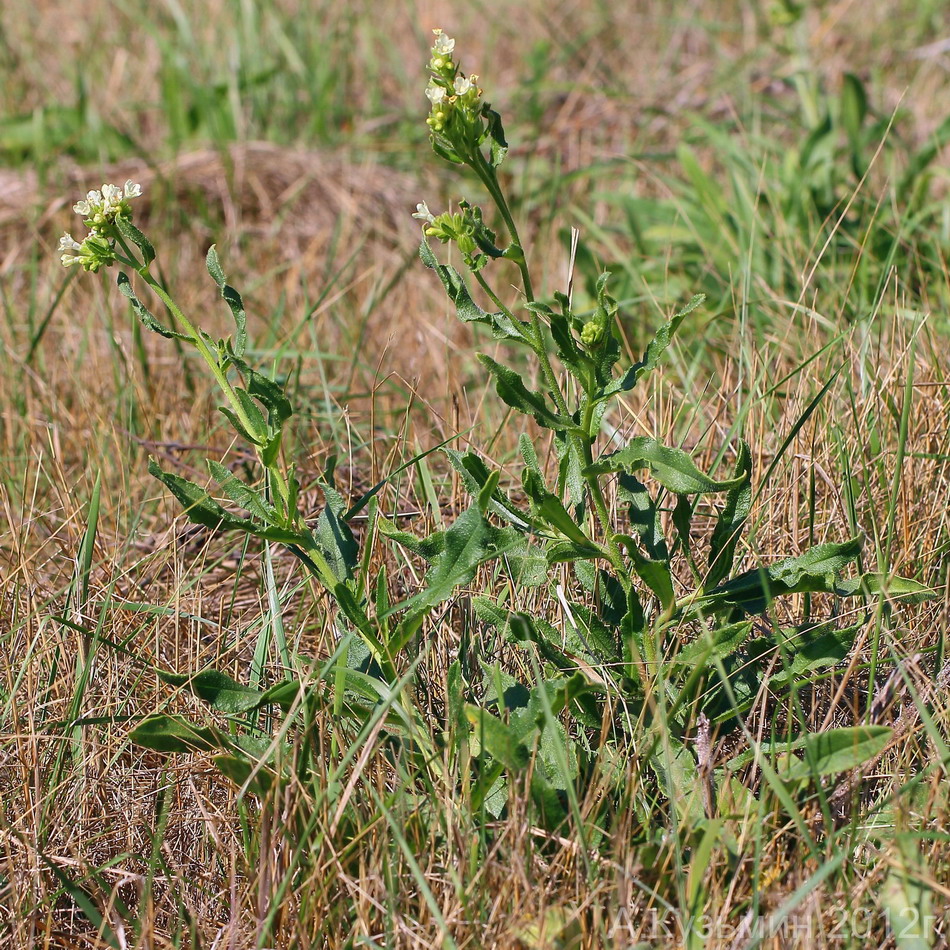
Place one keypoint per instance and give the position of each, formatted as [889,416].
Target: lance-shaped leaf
[259,779]
[265,390]
[655,574]
[653,352]
[475,475]
[144,314]
[900,589]
[202,509]
[469,542]
[175,734]
[501,325]
[906,895]
[219,690]
[549,509]
[644,517]
[815,571]
[131,233]
[510,386]
[672,468]
[334,536]
[722,548]
[241,493]
[839,750]
[232,298]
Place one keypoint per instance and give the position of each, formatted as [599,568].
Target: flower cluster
[100,209]
[456,99]
[464,228]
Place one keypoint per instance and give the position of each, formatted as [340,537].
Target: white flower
[463,86]
[132,190]
[68,243]
[435,93]
[423,214]
[443,44]
[91,205]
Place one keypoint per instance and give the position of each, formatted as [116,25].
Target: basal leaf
[731,520]
[839,750]
[900,589]
[259,779]
[219,690]
[815,571]
[175,734]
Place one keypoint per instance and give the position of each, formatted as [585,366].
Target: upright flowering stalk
[256,406]
[465,130]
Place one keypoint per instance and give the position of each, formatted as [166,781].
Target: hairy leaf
[672,468]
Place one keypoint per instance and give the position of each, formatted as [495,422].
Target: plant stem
[489,179]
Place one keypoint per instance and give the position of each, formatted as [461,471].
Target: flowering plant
[658,638]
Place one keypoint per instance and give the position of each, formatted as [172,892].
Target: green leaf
[732,518]
[549,509]
[175,734]
[813,648]
[654,351]
[145,315]
[499,740]
[501,325]
[672,468]
[131,233]
[655,574]
[334,536]
[469,542]
[232,298]
[253,437]
[906,897]
[900,589]
[815,571]
[253,413]
[266,391]
[854,108]
[644,517]
[202,509]
[353,611]
[257,778]
[512,390]
[675,765]
[240,493]
[217,689]
[839,750]
[498,145]
[721,643]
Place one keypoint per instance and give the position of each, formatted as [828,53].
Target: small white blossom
[68,243]
[435,93]
[91,204]
[463,85]
[423,214]
[443,44]
[132,189]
